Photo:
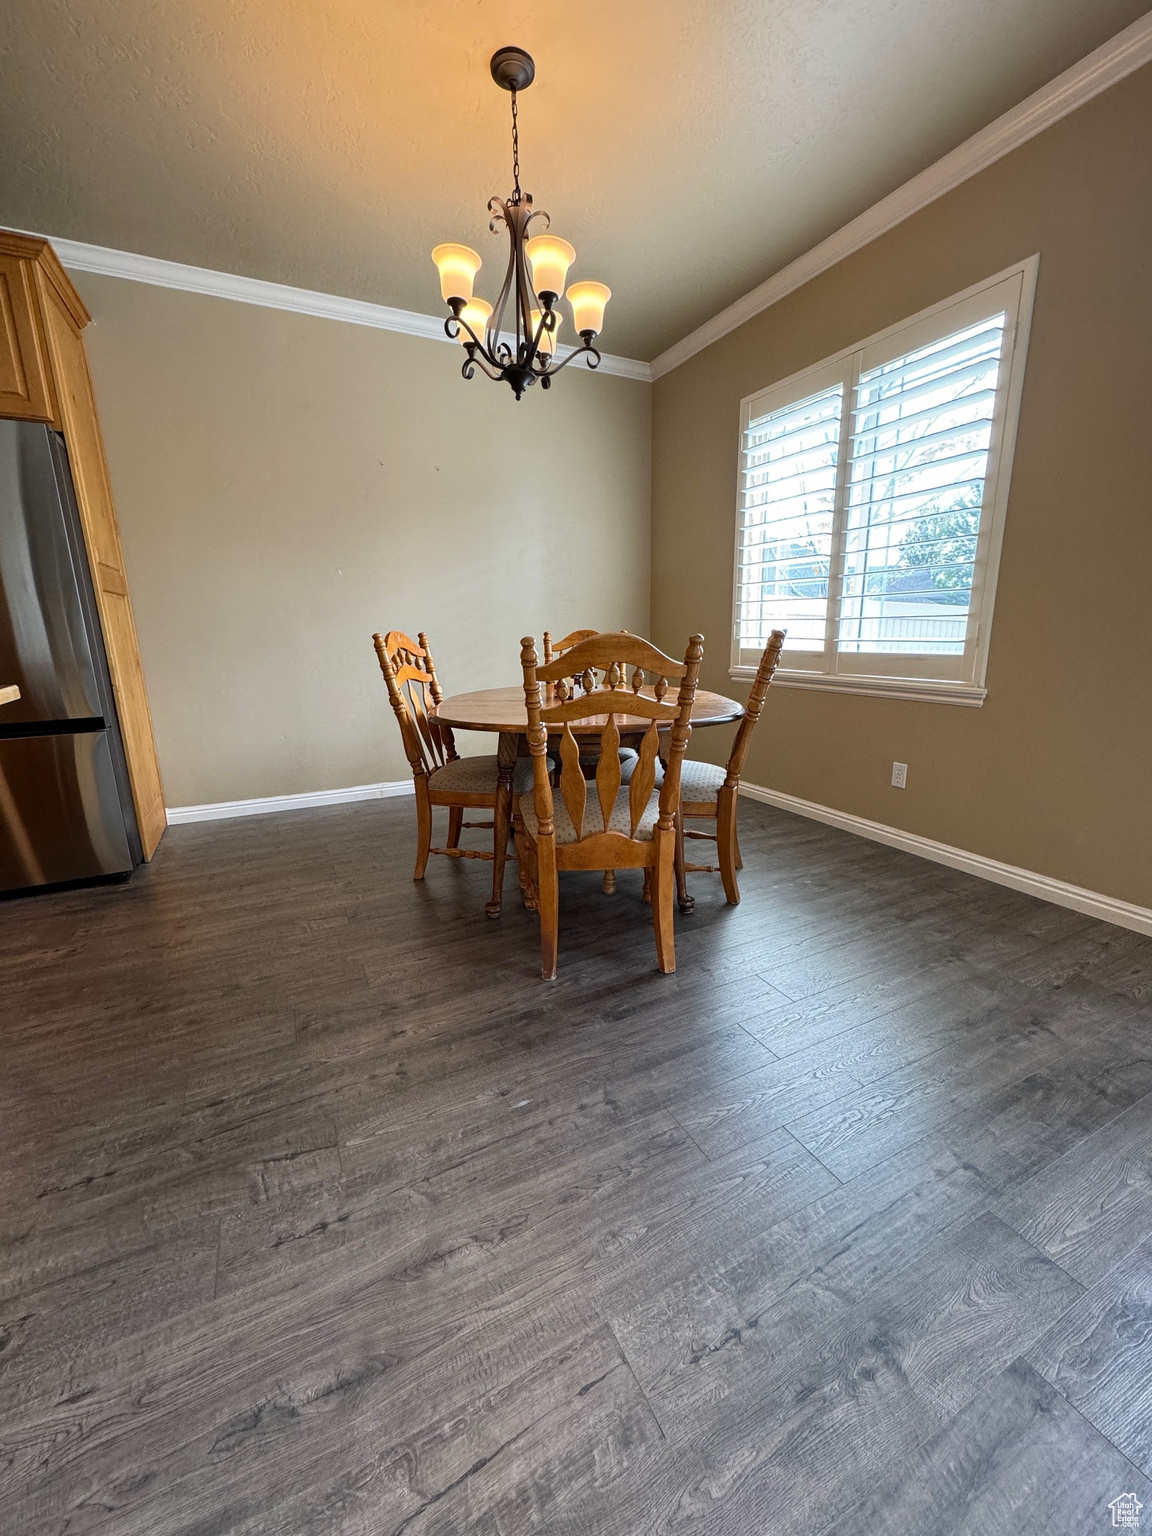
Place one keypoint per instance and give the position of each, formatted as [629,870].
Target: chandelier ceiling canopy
[517,339]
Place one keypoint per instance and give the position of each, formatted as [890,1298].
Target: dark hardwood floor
[321,1213]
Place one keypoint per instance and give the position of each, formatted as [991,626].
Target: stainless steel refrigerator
[66,809]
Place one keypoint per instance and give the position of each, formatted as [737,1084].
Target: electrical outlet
[899,775]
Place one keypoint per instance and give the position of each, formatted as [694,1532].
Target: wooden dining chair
[589,751]
[709,791]
[554,649]
[632,827]
[442,776]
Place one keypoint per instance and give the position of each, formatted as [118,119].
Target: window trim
[923,688]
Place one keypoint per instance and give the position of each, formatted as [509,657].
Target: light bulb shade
[458,266]
[477,312]
[588,301]
[548,338]
[549,257]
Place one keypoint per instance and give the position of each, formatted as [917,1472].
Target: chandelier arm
[482,361]
[460,323]
[587,350]
[524,296]
[496,321]
[534,353]
[478,351]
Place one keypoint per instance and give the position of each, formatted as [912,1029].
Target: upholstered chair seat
[619,820]
[477,776]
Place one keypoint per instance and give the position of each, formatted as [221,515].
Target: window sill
[924,690]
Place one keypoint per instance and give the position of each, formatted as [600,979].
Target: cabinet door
[23,376]
[94,497]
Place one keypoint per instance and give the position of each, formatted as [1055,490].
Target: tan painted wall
[286,485]
[1054,772]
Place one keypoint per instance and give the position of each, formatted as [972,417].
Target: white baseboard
[1125,914]
[222,810]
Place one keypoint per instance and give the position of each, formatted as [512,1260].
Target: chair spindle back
[414,690]
[621,660]
[769,661]
[581,678]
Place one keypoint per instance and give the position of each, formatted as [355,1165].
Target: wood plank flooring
[321,1215]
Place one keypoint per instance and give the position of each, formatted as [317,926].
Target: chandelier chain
[515,153]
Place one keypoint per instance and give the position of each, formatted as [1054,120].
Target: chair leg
[608,884]
[518,842]
[646,893]
[663,895]
[502,817]
[685,902]
[423,826]
[726,844]
[455,822]
[526,864]
[549,906]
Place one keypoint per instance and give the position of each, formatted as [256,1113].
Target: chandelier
[533,283]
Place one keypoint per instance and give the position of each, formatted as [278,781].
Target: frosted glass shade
[458,266]
[477,312]
[549,257]
[547,338]
[588,301]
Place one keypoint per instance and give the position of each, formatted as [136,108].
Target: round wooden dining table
[503,710]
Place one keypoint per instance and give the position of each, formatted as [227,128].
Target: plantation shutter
[921,432]
[788,469]
[871,499]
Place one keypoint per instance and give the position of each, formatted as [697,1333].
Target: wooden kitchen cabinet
[44,377]
[24,373]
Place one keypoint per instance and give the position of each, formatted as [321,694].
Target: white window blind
[786,515]
[870,530]
[919,458]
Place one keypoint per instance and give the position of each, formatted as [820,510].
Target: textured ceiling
[687,148]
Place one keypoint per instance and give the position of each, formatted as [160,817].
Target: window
[872,491]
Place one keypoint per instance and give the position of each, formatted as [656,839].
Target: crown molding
[80,257]
[1106,66]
